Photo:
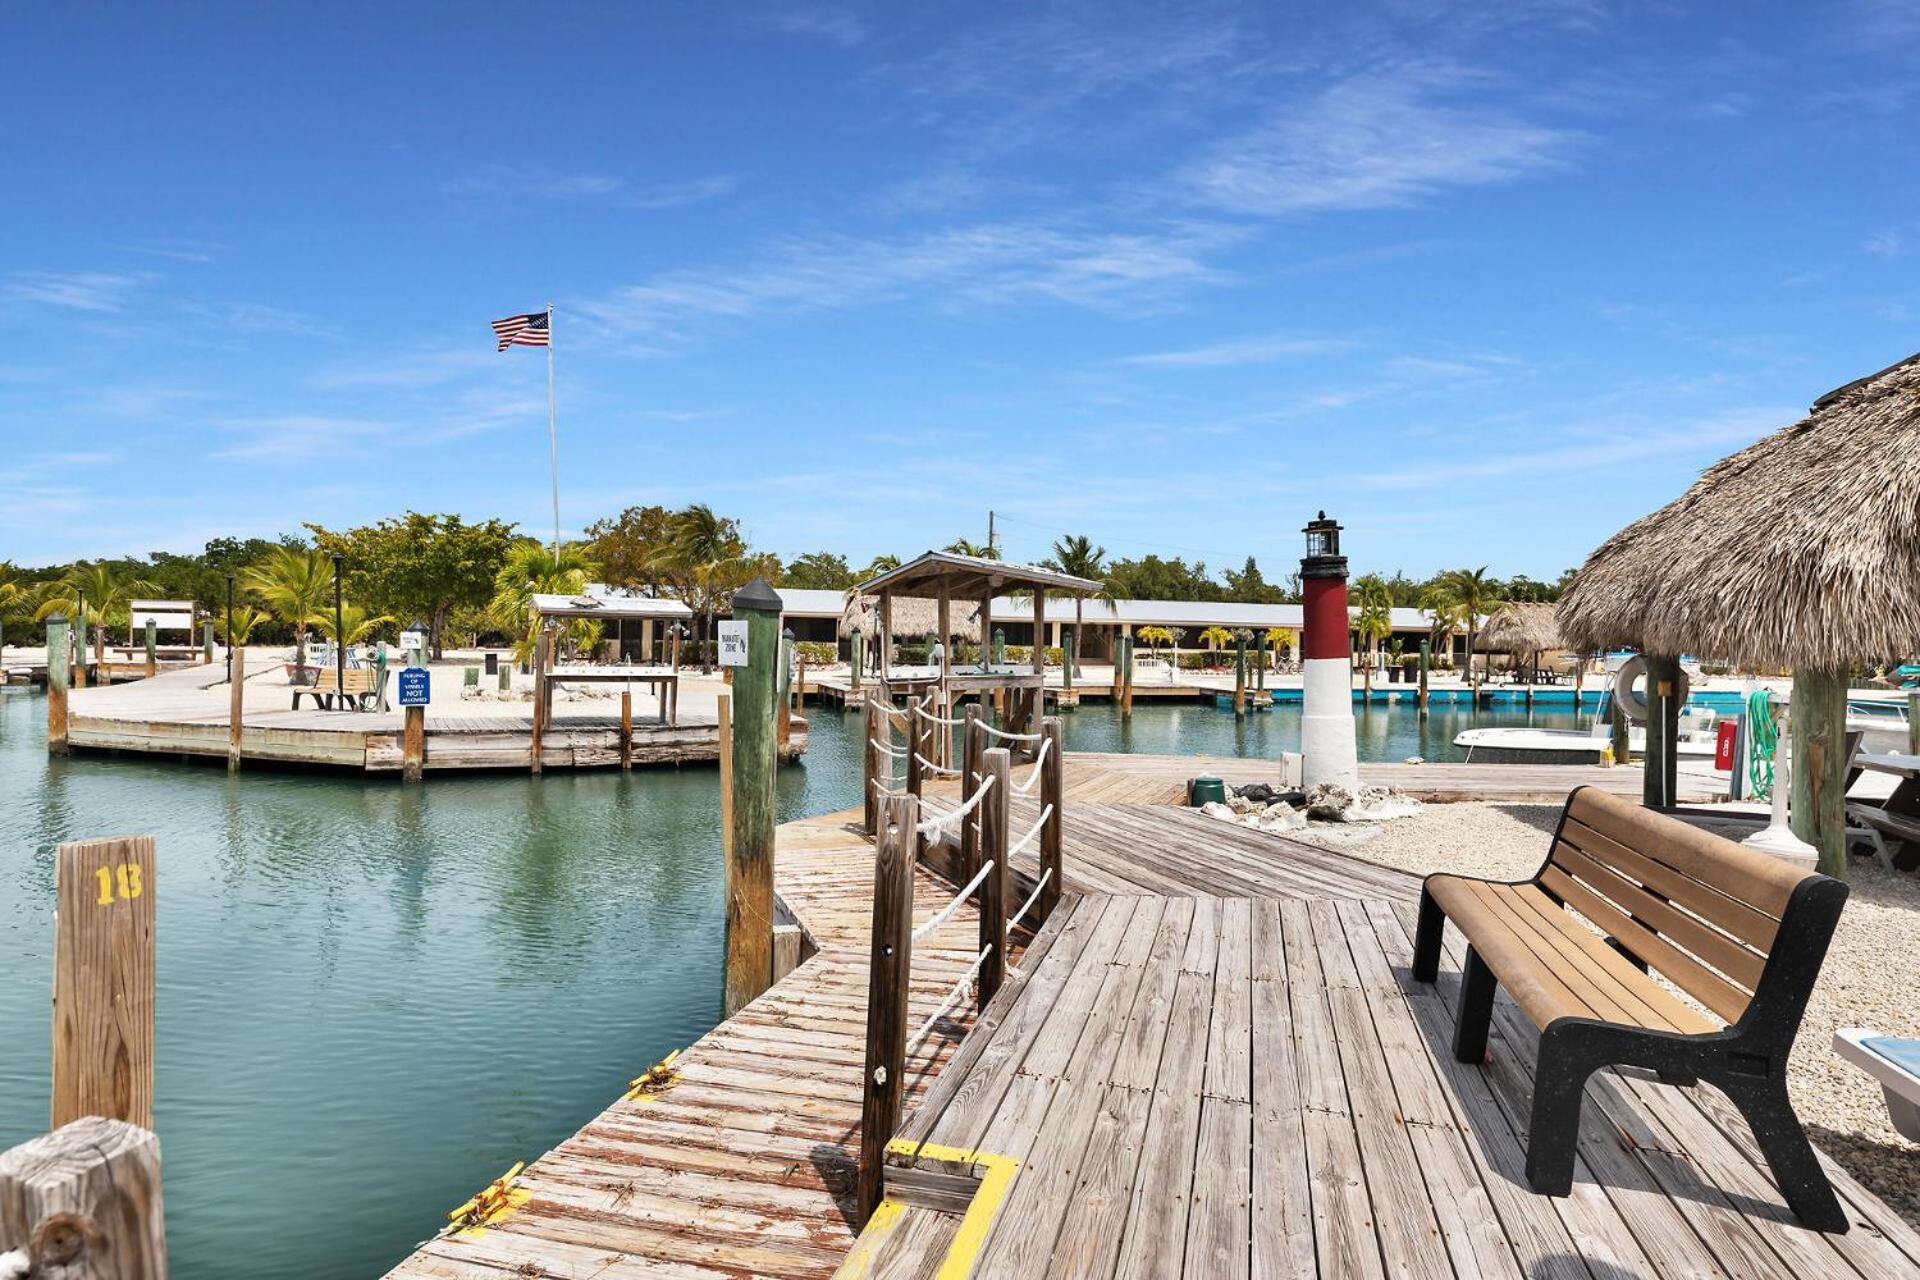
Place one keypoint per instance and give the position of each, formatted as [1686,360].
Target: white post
[553,442]
[1777,837]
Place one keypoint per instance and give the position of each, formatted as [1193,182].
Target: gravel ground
[1868,979]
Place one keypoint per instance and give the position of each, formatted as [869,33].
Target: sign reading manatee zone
[733,644]
[416,687]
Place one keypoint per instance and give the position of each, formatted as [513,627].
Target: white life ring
[1633,701]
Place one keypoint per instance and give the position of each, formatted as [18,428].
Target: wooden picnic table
[1895,821]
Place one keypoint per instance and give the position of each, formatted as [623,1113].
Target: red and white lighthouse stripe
[1326,677]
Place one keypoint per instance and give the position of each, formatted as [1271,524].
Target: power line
[1215,555]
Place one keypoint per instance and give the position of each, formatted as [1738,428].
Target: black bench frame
[1746,1060]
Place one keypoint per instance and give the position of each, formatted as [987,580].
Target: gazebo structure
[1802,551]
[1524,631]
[640,623]
[945,578]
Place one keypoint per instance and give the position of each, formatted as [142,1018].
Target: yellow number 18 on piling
[129,877]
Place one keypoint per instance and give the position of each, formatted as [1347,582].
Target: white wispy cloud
[832,23]
[980,264]
[548,184]
[1375,141]
[1261,350]
[1890,243]
[176,249]
[96,291]
[296,437]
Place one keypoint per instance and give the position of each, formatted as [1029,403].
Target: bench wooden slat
[1644,1000]
[1707,944]
[1692,977]
[1753,927]
[1760,880]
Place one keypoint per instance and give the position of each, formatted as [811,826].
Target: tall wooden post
[890,965]
[1913,722]
[1239,676]
[995,815]
[1069,646]
[1119,655]
[626,728]
[1126,689]
[153,657]
[1426,659]
[1053,792]
[858,652]
[1260,662]
[886,640]
[878,762]
[57,672]
[413,744]
[941,739]
[783,697]
[1622,743]
[542,645]
[78,657]
[750,861]
[971,749]
[83,1203]
[724,715]
[1818,725]
[236,704]
[206,643]
[103,980]
[1661,770]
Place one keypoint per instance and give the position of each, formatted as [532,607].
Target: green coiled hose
[1763,739]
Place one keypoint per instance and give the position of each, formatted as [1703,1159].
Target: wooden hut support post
[750,860]
[995,813]
[1661,775]
[890,964]
[83,1203]
[103,980]
[1818,725]
[57,672]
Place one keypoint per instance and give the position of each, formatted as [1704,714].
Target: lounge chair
[1895,1063]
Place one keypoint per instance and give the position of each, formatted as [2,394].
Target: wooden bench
[1739,931]
[365,688]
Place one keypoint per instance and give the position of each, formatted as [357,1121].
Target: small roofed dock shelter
[644,646]
[1801,550]
[966,583]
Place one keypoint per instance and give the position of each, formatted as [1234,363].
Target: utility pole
[989,535]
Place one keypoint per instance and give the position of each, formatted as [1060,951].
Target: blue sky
[1486,281]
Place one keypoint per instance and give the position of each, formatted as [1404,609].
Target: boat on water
[1880,721]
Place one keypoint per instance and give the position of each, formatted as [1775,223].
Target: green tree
[293,585]
[1373,622]
[962,547]
[1216,638]
[95,595]
[1152,578]
[819,571]
[354,622]
[1250,586]
[421,566]
[1474,594]
[710,553]
[1077,554]
[630,547]
[877,566]
[529,569]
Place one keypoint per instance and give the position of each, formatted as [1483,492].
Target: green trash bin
[1206,790]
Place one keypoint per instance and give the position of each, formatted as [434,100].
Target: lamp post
[1326,662]
[229,628]
[339,637]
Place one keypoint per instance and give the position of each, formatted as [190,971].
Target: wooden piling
[57,673]
[1053,794]
[725,718]
[750,861]
[1661,768]
[1818,724]
[1622,743]
[206,643]
[236,704]
[78,656]
[103,980]
[413,744]
[995,813]
[858,652]
[1068,646]
[1119,655]
[890,963]
[1913,722]
[1426,659]
[153,657]
[541,644]
[972,747]
[83,1203]
[1126,691]
[626,728]
[877,731]
[1239,677]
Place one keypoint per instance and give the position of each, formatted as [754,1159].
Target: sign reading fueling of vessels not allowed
[733,644]
[416,687]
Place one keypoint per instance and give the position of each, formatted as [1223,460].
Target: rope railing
[992,732]
[945,820]
[898,753]
[960,989]
[1032,898]
[1033,778]
[930,718]
[1032,832]
[946,913]
[938,771]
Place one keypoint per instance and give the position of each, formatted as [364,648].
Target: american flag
[527,331]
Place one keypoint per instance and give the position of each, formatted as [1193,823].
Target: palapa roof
[968,577]
[1521,628]
[913,618]
[1800,550]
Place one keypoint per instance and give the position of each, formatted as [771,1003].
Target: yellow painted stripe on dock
[967,1241]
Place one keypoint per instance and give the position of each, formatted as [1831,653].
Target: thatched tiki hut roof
[968,582]
[1801,550]
[913,618]
[1521,628]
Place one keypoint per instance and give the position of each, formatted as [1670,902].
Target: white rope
[933,825]
[960,989]
[1010,737]
[1033,779]
[935,769]
[886,790]
[946,913]
[930,718]
[1032,898]
[895,752]
[1027,839]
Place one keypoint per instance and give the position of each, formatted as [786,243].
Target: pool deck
[1212,1063]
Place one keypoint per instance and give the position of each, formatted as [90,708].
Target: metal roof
[594,606]
[811,602]
[968,577]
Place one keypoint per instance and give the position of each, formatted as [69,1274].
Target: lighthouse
[1326,662]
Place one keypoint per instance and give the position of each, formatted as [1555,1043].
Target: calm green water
[373,998]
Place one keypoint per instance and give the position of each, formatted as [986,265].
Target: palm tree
[96,590]
[699,543]
[294,583]
[242,621]
[961,547]
[881,564]
[531,570]
[1215,638]
[1279,638]
[1473,593]
[1076,554]
[354,621]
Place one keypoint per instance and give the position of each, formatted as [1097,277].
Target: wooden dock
[1211,1062]
[183,714]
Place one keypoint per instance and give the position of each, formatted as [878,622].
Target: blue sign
[416,688]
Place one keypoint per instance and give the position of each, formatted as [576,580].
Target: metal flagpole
[553,442]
